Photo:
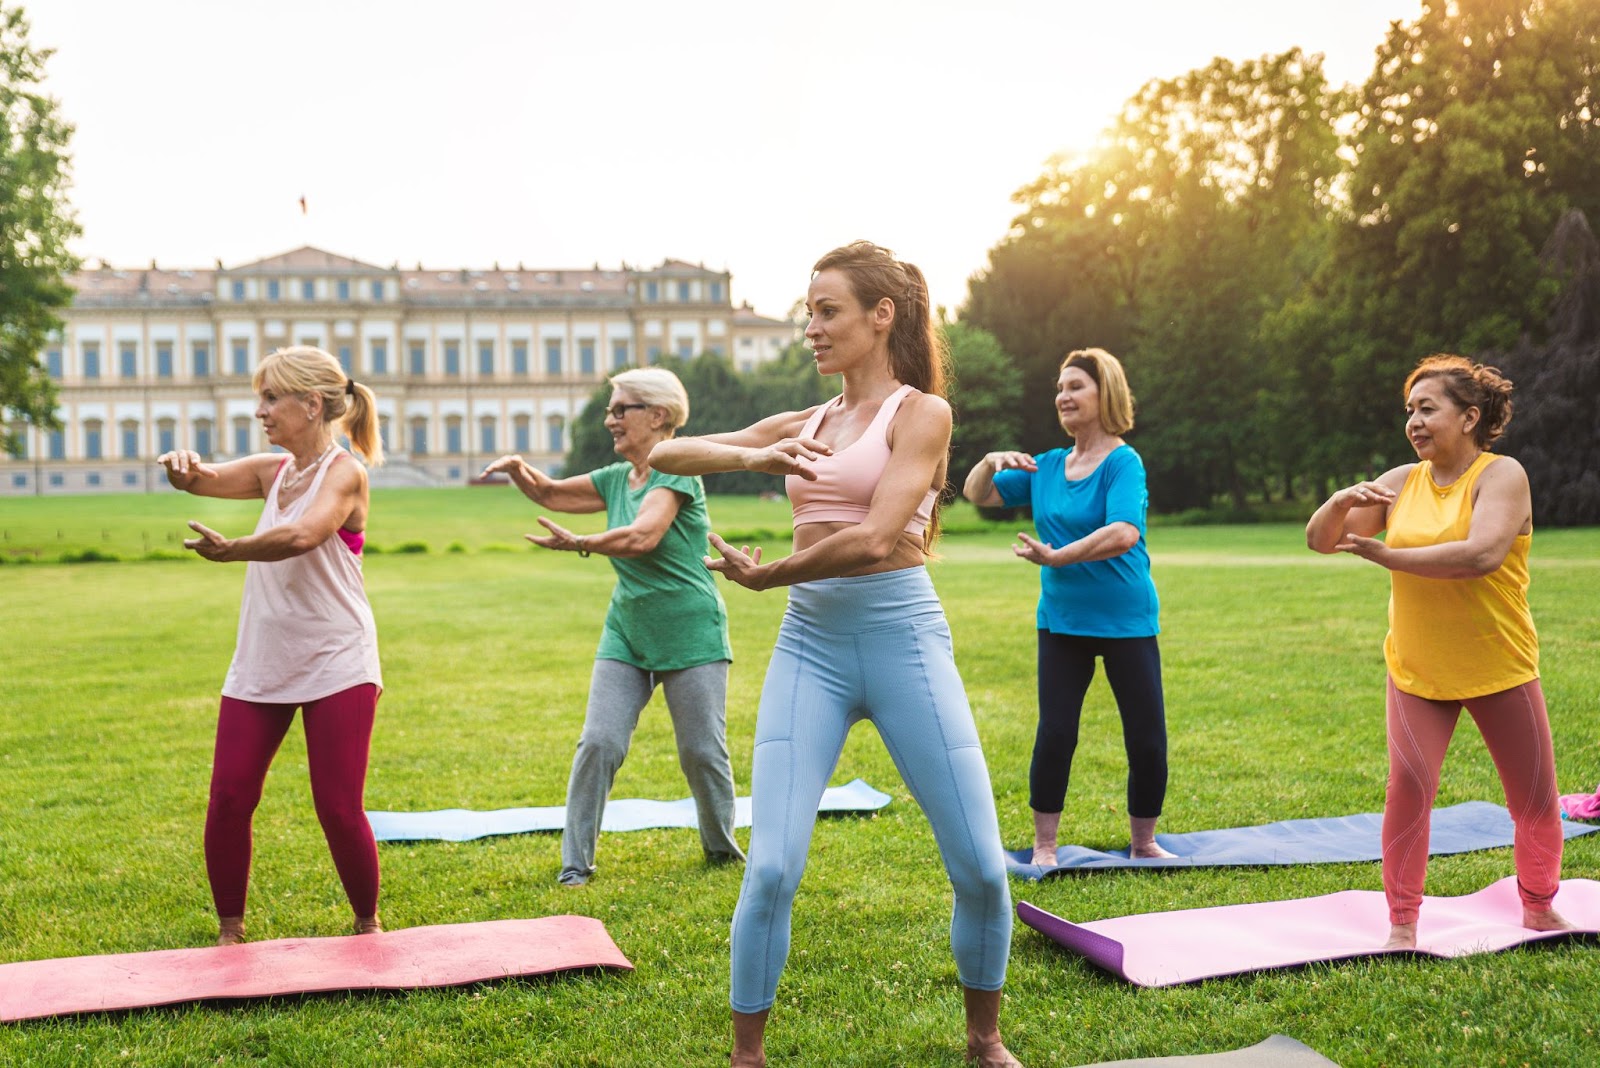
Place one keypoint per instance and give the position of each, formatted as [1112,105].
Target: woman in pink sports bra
[864,635]
[306,636]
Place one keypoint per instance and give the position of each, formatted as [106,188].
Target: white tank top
[305,627]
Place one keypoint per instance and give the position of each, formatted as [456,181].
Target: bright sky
[752,135]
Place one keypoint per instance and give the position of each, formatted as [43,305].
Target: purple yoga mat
[1166,948]
[445,955]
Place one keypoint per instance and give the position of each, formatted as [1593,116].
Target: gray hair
[657,387]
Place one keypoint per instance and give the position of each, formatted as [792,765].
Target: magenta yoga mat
[1167,948]
[445,955]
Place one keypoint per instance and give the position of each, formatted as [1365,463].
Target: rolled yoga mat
[628,814]
[1326,840]
[1279,1051]
[1167,948]
[445,955]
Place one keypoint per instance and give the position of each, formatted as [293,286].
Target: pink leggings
[1517,732]
[338,735]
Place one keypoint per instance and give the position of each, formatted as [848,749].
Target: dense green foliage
[1269,254]
[105,746]
[35,226]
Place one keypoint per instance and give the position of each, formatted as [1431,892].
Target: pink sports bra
[846,480]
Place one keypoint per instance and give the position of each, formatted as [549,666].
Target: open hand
[742,565]
[1366,548]
[186,462]
[1000,461]
[788,457]
[1034,551]
[511,464]
[209,544]
[1363,494]
[558,538]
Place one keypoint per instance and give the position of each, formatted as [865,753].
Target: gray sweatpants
[697,699]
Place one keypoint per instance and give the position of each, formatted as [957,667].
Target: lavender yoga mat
[1325,840]
[445,955]
[627,814]
[1279,1051]
[1166,948]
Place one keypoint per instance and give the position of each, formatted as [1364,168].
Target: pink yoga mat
[445,955]
[1165,948]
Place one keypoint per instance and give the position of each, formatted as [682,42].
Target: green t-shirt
[666,612]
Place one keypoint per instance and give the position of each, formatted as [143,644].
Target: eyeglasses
[617,411]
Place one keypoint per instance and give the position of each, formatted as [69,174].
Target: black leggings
[1133,668]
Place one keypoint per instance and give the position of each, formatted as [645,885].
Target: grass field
[1274,683]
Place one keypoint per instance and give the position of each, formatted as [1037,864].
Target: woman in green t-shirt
[666,623]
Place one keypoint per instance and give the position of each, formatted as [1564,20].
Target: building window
[166,436]
[552,357]
[651,292]
[419,359]
[716,293]
[419,436]
[308,291]
[452,359]
[380,357]
[19,481]
[522,433]
[272,289]
[92,478]
[202,437]
[557,428]
[717,349]
[163,359]
[241,356]
[383,432]
[655,354]
[685,348]
[343,289]
[486,359]
[52,362]
[91,359]
[683,292]
[486,436]
[586,356]
[344,359]
[519,358]
[452,435]
[201,352]
[241,436]
[619,355]
[238,291]
[128,359]
[58,445]
[57,480]
[130,440]
[130,478]
[21,431]
[91,440]
[377,291]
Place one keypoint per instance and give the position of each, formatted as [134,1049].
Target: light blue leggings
[875,647]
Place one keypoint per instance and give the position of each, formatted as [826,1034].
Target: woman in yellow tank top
[1459,523]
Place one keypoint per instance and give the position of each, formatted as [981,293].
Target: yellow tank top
[1450,639]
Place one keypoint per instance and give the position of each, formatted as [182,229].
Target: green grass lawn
[1274,681]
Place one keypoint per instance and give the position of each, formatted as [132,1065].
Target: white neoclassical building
[466,364]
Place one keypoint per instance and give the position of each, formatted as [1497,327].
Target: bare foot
[1545,920]
[991,1054]
[747,1060]
[370,925]
[1045,855]
[1402,936]
[230,930]
[1142,843]
[1150,850]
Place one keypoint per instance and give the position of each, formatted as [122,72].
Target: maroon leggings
[338,736]
[1516,731]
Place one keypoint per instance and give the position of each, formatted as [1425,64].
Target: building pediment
[306,258]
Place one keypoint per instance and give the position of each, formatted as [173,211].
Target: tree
[986,394]
[35,225]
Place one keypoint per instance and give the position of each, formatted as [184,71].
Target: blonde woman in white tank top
[306,635]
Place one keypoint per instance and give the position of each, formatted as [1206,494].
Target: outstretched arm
[1501,509]
[979,487]
[656,513]
[920,439]
[1362,509]
[769,446]
[246,478]
[575,494]
[342,488]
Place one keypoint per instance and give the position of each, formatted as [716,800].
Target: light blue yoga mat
[1329,840]
[627,814]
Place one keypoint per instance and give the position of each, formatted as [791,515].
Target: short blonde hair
[657,387]
[1116,399]
[302,370]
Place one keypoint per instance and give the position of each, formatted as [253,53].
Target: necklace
[293,477]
